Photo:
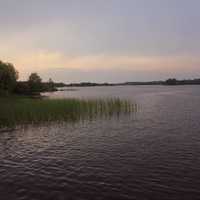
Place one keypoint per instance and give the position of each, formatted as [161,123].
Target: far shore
[168,82]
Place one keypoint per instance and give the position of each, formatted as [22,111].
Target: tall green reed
[21,111]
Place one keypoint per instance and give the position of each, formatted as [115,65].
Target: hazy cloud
[94,36]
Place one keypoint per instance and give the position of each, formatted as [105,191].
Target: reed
[20,111]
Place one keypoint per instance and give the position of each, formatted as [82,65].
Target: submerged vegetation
[23,110]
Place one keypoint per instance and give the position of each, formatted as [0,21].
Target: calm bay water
[152,154]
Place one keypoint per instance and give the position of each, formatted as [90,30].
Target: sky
[101,40]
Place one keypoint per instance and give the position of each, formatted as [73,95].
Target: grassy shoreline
[25,110]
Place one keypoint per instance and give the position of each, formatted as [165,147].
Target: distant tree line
[88,84]
[34,84]
[9,83]
[174,81]
[144,83]
[171,81]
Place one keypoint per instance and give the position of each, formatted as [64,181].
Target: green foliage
[8,77]
[35,83]
[22,88]
[48,86]
[20,110]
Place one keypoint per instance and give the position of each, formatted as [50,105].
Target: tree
[171,81]
[51,84]
[35,83]
[8,77]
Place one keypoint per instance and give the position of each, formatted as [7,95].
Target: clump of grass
[20,111]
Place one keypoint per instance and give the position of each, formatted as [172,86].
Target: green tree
[51,84]
[8,77]
[35,83]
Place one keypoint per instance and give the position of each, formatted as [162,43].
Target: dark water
[154,154]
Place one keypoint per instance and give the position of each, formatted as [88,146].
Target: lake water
[152,154]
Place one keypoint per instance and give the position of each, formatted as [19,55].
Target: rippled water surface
[152,154]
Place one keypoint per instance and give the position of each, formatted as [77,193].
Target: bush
[8,77]
[35,83]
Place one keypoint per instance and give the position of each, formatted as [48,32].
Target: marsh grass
[23,110]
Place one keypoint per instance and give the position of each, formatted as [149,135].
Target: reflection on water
[154,154]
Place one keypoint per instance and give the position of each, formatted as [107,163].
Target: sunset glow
[70,38]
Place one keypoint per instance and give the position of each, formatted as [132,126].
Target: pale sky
[101,40]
